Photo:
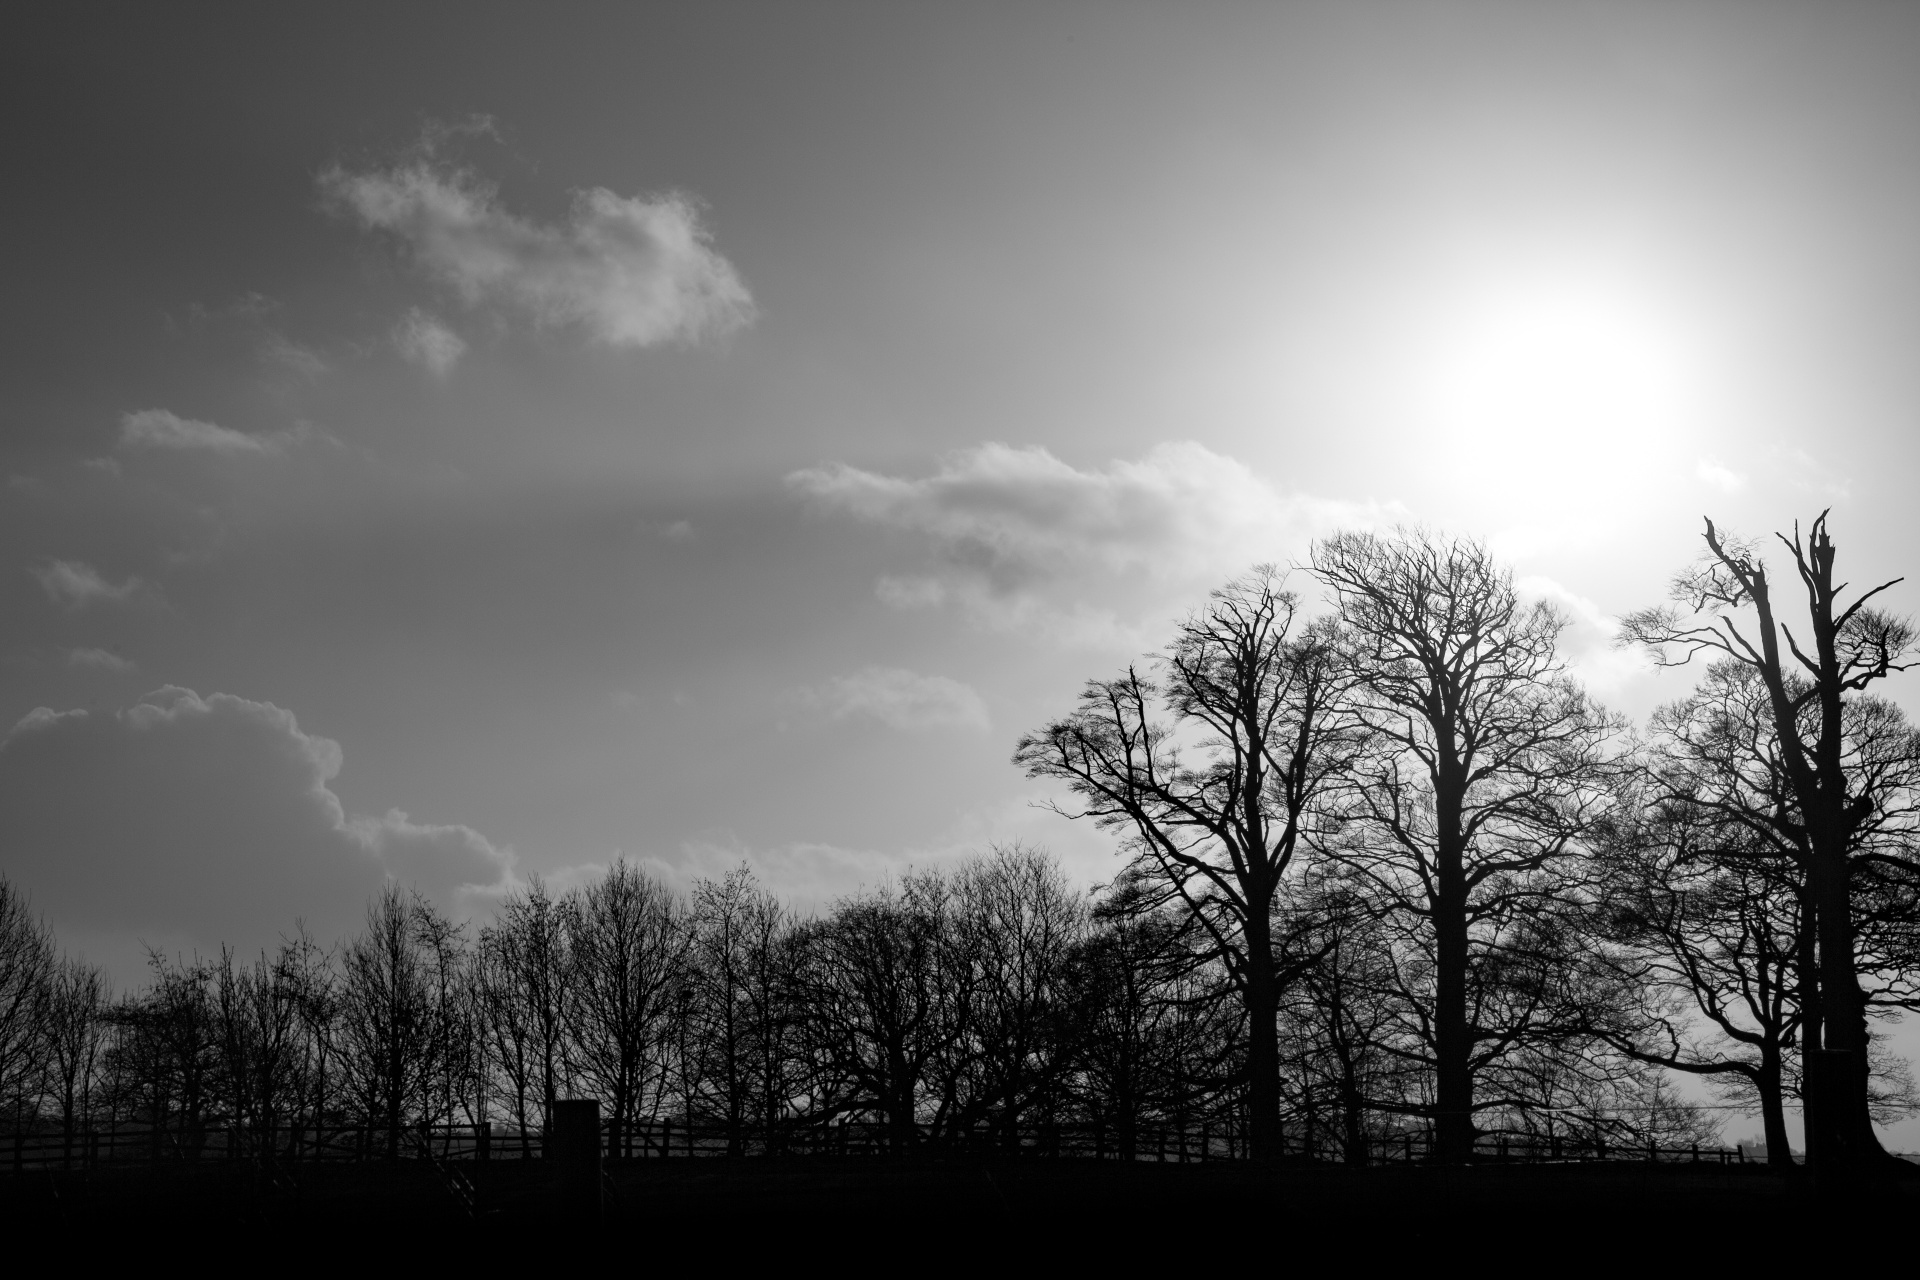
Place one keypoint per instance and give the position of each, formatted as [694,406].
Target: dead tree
[1809,679]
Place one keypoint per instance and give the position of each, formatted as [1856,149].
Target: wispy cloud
[424,340]
[1721,477]
[98,659]
[1588,641]
[164,429]
[75,583]
[633,271]
[1022,539]
[901,699]
[282,352]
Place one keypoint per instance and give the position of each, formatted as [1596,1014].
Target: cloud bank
[633,271]
[1020,538]
[210,819]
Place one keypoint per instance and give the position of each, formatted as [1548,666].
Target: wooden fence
[132,1143]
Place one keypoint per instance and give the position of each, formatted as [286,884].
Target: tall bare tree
[1844,820]
[1211,768]
[1483,766]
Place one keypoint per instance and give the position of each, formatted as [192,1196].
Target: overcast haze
[464,444]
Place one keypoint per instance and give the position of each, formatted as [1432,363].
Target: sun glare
[1571,395]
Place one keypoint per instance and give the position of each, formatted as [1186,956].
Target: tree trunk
[1263,1039]
[1353,1112]
[1846,1122]
[1452,1042]
[1773,1111]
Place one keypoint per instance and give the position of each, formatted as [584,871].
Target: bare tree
[526,993]
[1340,1017]
[268,1019]
[1703,934]
[629,956]
[401,1025]
[881,1007]
[75,1027]
[1154,1023]
[1212,770]
[1015,922]
[163,1061]
[1843,650]
[27,968]
[1482,768]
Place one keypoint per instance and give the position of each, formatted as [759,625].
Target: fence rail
[133,1143]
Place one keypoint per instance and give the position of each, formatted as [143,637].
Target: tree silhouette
[1843,819]
[1482,768]
[1211,770]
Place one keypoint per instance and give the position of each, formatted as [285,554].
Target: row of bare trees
[1387,871]
[1415,846]
[994,1004]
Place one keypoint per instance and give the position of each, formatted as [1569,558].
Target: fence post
[571,1144]
[483,1140]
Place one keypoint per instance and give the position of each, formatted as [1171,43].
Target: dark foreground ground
[860,1211]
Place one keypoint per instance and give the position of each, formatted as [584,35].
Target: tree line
[1386,870]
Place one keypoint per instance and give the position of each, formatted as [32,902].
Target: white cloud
[42,718]
[901,699]
[634,271]
[211,818]
[164,429]
[423,340]
[279,350]
[99,659]
[75,583]
[1807,473]
[1023,540]
[679,531]
[1588,645]
[1719,476]
[910,592]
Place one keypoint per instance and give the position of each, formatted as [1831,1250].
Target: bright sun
[1568,393]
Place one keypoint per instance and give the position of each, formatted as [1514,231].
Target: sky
[465,443]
